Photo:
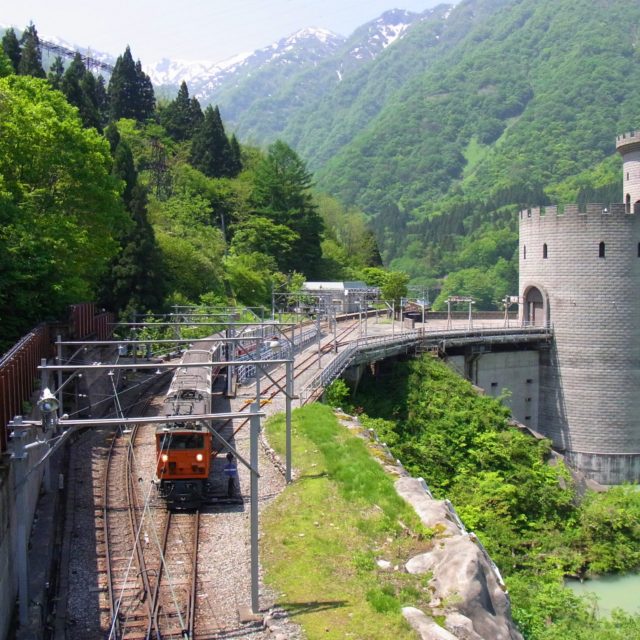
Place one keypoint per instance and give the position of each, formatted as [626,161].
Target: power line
[89,61]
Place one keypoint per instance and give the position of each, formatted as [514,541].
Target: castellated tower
[580,273]
[628,144]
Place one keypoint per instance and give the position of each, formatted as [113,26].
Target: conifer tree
[31,57]
[102,101]
[11,46]
[56,71]
[235,165]
[130,90]
[177,116]
[197,117]
[70,83]
[79,87]
[210,149]
[282,194]
[112,135]
[90,112]
[147,96]
[135,279]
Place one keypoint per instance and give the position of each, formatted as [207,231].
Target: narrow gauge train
[184,449]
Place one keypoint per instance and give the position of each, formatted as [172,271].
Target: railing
[19,366]
[248,371]
[18,372]
[437,338]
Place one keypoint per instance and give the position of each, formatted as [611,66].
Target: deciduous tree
[61,211]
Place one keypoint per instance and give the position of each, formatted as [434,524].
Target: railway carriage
[184,449]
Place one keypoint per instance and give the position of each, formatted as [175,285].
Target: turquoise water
[613,592]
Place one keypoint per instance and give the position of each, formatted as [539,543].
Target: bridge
[437,339]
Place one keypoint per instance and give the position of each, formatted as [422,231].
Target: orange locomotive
[183,449]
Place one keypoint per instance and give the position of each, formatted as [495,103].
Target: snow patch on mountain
[306,46]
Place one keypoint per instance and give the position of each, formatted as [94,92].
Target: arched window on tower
[524,252]
[628,203]
[545,252]
[601,250]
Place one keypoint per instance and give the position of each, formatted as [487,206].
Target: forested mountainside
[108,196]
[478,109]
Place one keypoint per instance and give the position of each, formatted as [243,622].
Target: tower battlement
[626,141]
[617,209]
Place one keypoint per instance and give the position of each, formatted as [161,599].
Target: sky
[191,29]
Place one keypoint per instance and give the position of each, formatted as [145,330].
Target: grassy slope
[323,534]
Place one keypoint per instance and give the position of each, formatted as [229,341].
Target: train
[184,450]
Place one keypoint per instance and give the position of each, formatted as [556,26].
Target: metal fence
[19,366]
[362,348]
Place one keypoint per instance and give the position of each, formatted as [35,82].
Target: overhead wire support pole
[254,433]
[288,397]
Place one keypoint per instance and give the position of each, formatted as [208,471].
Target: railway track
[148,558]
[150,554]
[274,387]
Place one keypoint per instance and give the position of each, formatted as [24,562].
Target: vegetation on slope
[541,88]
[477,111]
[322,536]
[111,197]
[526,511]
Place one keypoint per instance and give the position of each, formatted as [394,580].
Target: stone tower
[628,144]
[580,273]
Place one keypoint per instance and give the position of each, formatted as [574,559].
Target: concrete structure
[579,272]
[512,376]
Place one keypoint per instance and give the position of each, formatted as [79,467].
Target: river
[613,592]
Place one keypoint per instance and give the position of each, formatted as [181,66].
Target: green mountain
[476,110]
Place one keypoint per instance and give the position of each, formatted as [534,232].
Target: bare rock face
[425,626]
[466,584]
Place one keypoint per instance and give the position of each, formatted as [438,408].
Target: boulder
[465,582]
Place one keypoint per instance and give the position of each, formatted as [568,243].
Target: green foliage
[609,530]
[337,394]
[281,193]
[11,48]
[261,235]
[6,67]
[525,510]
[30,63]
[183,116]
[78,86]
[130,90]
[210,148]
[192,250]
[516,103]
[394,287]
[249,276]
[60,207]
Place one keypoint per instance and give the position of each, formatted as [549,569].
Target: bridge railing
[314,388]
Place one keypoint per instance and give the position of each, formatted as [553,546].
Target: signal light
[165,457]
[199,457]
